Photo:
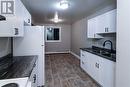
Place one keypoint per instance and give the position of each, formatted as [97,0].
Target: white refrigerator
[32,44]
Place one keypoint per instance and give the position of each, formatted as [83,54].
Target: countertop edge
[88,50]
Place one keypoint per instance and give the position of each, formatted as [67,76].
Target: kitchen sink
[104,52]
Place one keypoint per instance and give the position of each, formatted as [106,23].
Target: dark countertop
[90,50]
[21,67]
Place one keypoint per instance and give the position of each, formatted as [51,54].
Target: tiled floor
[63,70]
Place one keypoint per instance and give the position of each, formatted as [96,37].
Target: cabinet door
[94,66]
[23,12]
[101,26]
[13,27]
[107,73]
[92,28]
[107,22]
[27,17]
[111,21]
[18,26]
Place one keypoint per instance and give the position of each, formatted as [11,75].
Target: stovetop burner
[11,85]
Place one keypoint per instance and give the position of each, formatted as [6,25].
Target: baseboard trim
[56,52]
[77,56]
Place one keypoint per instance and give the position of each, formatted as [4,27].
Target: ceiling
[43,10]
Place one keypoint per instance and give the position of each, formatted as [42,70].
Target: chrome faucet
[110,44]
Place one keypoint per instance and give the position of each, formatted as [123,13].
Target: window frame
[53,28]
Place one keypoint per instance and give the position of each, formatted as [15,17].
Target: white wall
[123,42]
[4,46]
[64,45]
[79,36]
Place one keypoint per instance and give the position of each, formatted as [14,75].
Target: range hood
[2,18]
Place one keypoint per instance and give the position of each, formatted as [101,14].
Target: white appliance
[21,82]
[32,44]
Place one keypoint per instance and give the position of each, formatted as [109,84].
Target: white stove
[18,82]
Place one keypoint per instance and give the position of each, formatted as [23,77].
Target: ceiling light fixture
[64,4]
[56,19]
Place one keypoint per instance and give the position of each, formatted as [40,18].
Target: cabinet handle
[34,65]
[16,31]
[97,65]
[28,20]
[34,78]
[82,55]
[82,62]
[107,29]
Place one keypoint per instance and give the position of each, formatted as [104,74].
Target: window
[53,34]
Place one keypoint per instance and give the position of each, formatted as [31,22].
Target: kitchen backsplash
[5,46]
[99,42]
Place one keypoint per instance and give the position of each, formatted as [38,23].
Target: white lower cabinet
[100,69]
[107,73]
[33,77]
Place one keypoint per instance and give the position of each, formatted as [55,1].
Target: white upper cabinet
[107,22]
[92,28]
[26,16]
[12,27]
[20,11]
